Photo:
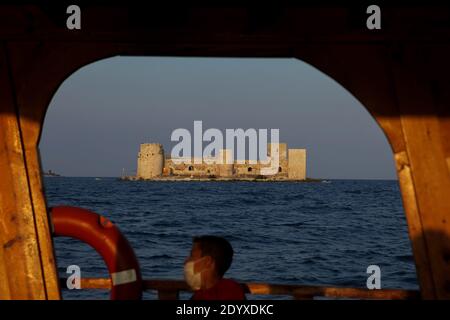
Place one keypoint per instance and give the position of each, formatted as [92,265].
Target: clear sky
[100,114]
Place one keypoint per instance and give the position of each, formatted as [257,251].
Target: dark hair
[219,249]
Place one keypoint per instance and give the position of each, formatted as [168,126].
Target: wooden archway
[399,73]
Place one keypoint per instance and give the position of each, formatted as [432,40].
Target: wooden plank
[37,72]
[42,222]
[33,96]
[21,271]
[415,227]
[428,164]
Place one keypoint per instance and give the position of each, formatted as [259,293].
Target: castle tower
[297,164]
[276,161]
[282,150]
[226,163]
[150,161]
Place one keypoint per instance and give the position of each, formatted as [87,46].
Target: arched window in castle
[249,169]
[191,168]
[279,169]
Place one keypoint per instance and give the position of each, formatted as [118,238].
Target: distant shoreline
[50,173]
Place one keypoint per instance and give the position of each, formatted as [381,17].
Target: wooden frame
[399,74]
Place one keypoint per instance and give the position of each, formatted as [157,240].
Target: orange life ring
[108,241]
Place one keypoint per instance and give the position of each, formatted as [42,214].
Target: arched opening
[301,220]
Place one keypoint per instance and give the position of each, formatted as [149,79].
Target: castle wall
[189,169]
[226,167]
[246,169]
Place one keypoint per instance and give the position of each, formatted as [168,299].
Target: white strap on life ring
[123,277]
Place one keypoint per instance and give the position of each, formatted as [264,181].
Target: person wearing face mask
[210,258]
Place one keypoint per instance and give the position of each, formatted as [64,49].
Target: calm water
[293,233]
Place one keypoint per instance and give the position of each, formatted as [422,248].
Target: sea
[304,233]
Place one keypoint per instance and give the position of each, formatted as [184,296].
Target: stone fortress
[152,164]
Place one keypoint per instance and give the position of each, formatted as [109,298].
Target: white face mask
[194,280]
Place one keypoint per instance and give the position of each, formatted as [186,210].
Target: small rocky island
[152,164]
